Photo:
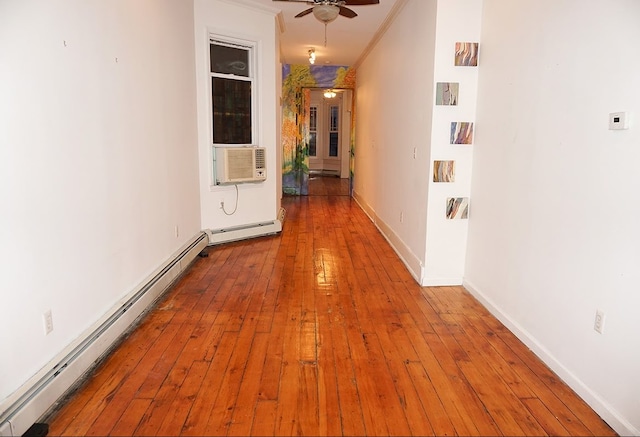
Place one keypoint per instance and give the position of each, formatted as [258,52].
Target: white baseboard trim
[40,393]
[599,405]
[413,264]
[442,281]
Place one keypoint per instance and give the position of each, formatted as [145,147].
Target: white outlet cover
[618,121]
[599,322]
[47,319]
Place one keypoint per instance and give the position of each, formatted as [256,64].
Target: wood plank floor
[320,331]
[321,185]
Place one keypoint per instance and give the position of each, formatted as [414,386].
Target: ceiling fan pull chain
[325,34]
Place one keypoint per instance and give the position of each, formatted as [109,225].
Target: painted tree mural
[296,90]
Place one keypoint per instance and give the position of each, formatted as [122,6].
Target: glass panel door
[316,132]
[334,137]
[324,133]
[313,131]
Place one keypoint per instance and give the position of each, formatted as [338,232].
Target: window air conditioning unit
[236,165]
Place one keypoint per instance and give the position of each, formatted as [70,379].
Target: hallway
[320,185]
[320,331]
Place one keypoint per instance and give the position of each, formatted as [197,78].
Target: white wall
[391,122]
[395,189]
[457,21]
[256,202]
[553,232]
[98,163]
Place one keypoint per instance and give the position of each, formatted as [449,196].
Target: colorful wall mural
[296,102]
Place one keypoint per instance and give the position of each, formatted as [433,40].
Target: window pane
[229,60]
[333,130]
[231,111]
[313,118]
[333,144]
[312,144]
[313,129]
[333,122]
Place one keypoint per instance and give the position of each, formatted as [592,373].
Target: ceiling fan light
[329,94]
[326,13]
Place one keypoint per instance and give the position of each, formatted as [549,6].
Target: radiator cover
[236,233]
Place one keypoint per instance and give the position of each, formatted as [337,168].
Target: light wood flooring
[328,186]
[320,331]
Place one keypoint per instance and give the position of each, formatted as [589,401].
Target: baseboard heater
[237,233]
[41,393]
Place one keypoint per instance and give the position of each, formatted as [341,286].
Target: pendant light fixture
[326,13]
[329,94]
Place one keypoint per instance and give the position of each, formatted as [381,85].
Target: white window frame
[251,47]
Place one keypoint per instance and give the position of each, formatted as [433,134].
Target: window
[313,130]
[334,112]
[232,92]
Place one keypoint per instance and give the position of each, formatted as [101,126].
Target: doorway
[329,133]
[299,81]
[329,142]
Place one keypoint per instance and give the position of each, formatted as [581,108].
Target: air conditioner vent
[236,165]
[261,159]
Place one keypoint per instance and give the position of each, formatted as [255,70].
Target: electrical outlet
[222,204]
[47,318]
[618,121]
[415,152]
[598,325]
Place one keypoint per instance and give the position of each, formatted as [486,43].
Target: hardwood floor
[320,331]
[328,186]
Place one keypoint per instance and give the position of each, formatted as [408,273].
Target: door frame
[318,163]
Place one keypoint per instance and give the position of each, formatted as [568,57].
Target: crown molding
[397,7]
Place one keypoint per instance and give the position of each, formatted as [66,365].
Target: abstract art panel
[461,132]
[457,208]
[447,93]
[466,54]
[444,171]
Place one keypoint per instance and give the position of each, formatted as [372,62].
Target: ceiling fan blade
[309,2]
[346,12]
[305,12]
[361,2]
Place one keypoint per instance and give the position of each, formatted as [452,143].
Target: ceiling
[347,38]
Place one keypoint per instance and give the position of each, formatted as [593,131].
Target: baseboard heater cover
[237,233]
[38,395]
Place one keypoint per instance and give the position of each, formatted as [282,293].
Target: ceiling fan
[328,10]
